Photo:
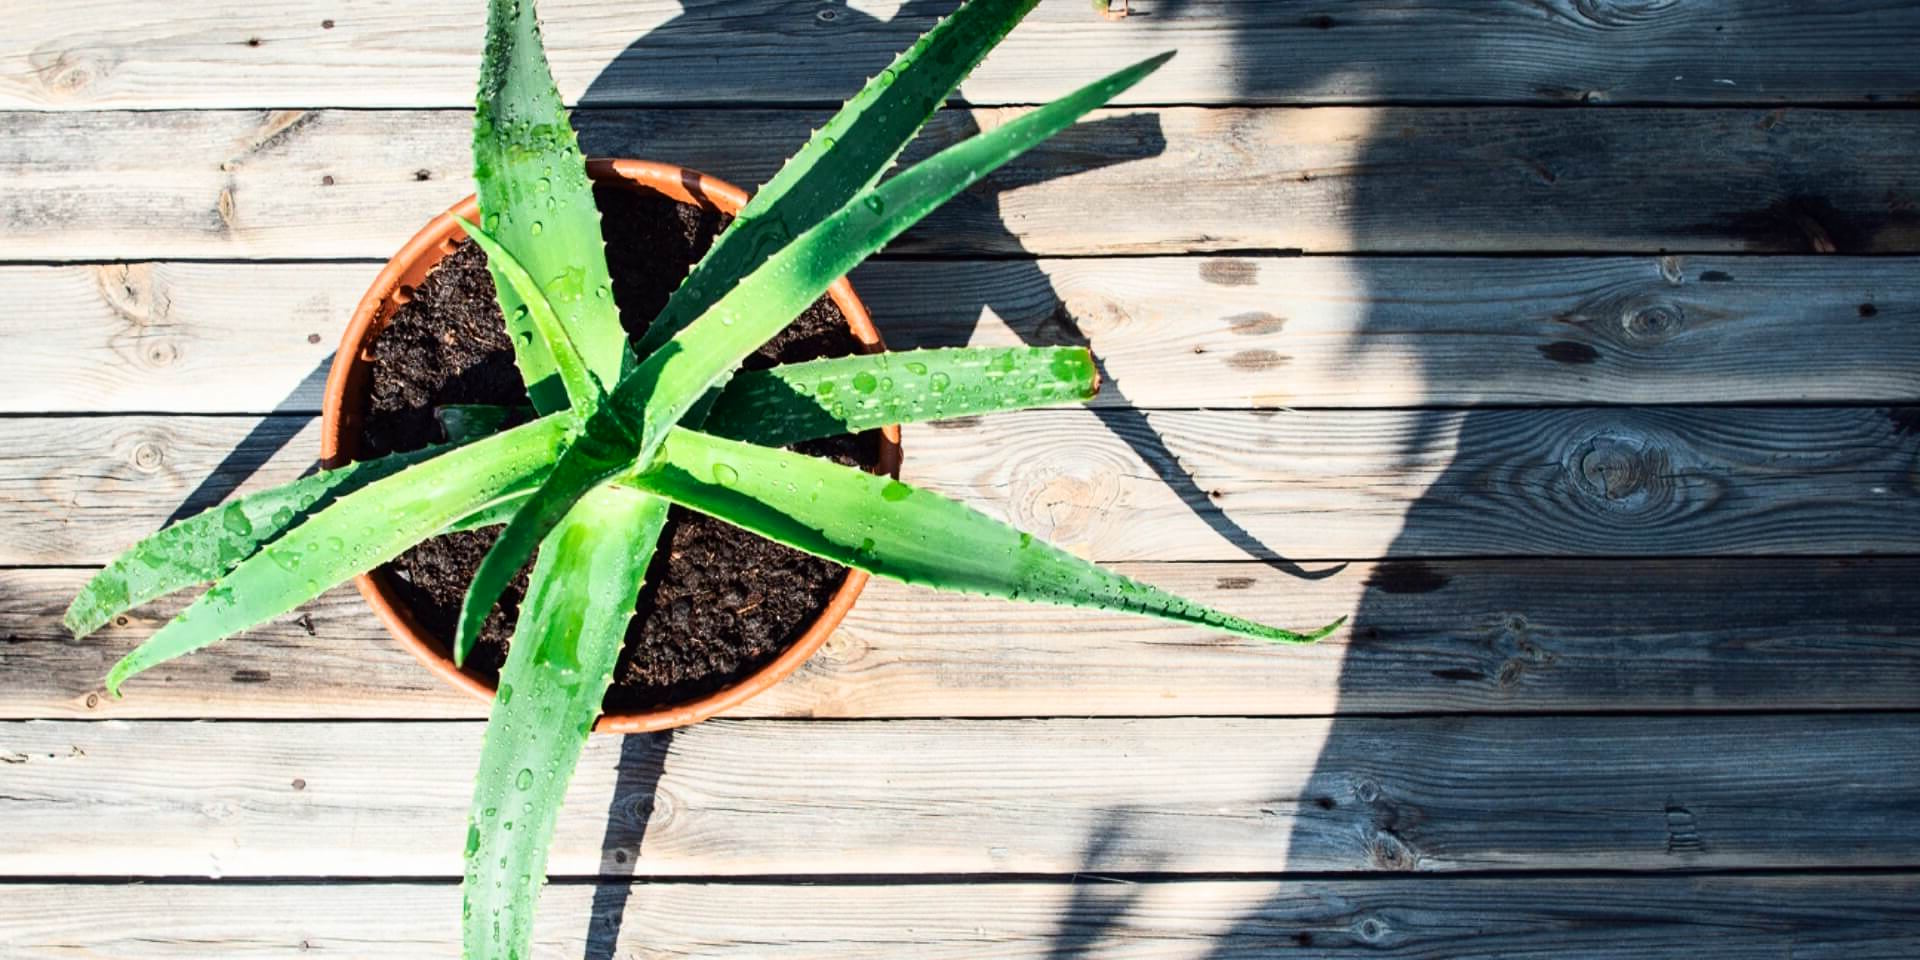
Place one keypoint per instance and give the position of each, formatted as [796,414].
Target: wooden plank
[333,183]
[1182,484]
[1171,332]
[1853,916]
[91,54]
[174,337]
[757,797]
[1478,636]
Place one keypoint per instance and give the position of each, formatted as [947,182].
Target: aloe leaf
[572,625]
[668,381]
[355,533]
[811,399]
[583,388]
[536,200]
[786,404]
[206,545]
[895,530]
[844,157]
[499,566]
[627,429]
[823,398]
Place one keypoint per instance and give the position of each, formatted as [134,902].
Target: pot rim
[351,366]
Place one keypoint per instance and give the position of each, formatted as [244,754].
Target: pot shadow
[261,444]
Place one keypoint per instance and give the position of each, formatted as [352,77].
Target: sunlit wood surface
[1570,348]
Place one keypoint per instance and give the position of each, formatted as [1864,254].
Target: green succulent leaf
[536,200]
[205,546]
[583,388]
[895,530]
[357,532]
[628,428]
[572,625]
[846,156]
[656,395]
[777,407]
[823,398]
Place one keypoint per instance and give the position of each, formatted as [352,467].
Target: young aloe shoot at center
[625,428]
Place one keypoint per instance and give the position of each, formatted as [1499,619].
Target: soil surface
[719,602]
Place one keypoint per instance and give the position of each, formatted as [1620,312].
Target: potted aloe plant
[621,427]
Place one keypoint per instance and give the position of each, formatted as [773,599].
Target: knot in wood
[839,650]
[1366,789]
[1621,13]
[1081,316]
[1622,472]
[1390,852]
[1653,322]
[1063,493]
[1371,929]
[68,74]
[148,456]
[646,805]
[159,353]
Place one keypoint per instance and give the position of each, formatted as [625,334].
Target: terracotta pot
[346,402]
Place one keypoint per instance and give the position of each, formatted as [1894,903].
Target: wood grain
[355,184]
[1182,485]
[1854,916]
[758,797]
[91,54]
[174,337]
[185,337]
[1477,636]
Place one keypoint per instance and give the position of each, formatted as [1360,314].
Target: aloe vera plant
[622,429]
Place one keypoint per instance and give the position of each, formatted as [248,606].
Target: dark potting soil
[719,602]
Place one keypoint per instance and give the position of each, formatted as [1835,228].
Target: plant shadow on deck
[1092,145]
[1350,816]
[1346,817]
[1097,907]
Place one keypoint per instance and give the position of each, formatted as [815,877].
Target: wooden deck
[1569,347]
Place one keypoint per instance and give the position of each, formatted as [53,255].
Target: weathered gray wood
[1303,332]
[283,53]
[254,184]
[1211,485]
[757,797]
[1487,635]
[167,337]
[1852,916]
